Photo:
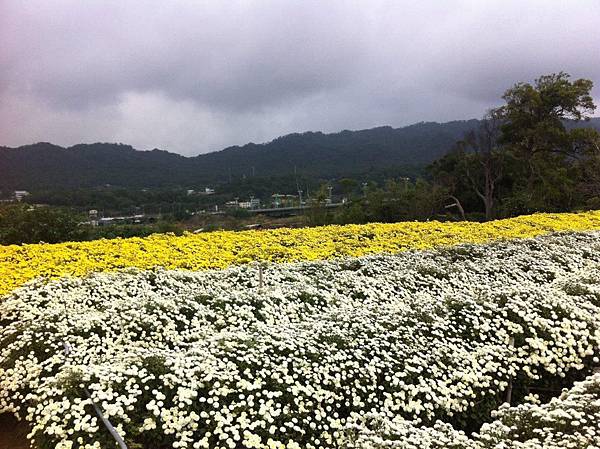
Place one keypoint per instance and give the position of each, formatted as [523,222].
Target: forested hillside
[312,154]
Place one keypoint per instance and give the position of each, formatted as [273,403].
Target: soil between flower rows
[13,434]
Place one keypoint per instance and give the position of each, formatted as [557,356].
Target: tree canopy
[529,154]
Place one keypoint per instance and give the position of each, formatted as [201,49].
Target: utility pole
[298,186]
[405,183]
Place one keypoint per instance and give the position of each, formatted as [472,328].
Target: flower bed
[19,264]
[210,359]
[569,421]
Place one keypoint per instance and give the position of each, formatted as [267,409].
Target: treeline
[110,201]
[531,154]
[22,223]
[314,155]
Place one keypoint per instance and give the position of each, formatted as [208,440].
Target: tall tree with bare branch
[483,159]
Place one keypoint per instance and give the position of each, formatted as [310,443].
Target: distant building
[93,217]
[137,218]
[254,203]
[209,191]
[282,200]
[190,191]
[20,194]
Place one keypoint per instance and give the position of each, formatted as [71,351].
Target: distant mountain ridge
[312,154]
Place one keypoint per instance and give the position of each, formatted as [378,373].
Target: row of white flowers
[210,359]
[569,421]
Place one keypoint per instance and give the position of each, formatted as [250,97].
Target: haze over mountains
[310,154]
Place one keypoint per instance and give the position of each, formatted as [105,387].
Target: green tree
[27,224]
[528,155]
[449,175]
[535,131]
[482,160]
[588,165]
[348,186]
[317,207]
[399,199]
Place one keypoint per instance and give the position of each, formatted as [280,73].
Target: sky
[196,76]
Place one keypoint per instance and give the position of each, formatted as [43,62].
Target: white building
[254,203]
[20,194]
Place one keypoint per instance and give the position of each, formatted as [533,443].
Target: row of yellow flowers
[19,264]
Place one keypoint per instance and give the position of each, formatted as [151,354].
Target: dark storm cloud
[227,55]
[195,76]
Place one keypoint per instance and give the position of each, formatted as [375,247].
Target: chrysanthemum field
[418,349]
[215,250]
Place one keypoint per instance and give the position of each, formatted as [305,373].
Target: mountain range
[310,154]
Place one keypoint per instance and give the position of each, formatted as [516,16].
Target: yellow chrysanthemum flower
[19,264]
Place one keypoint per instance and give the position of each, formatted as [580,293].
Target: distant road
[289,210]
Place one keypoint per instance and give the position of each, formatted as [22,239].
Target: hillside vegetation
[312,154]
[309,155]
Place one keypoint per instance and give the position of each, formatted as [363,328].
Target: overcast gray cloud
[195,76]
